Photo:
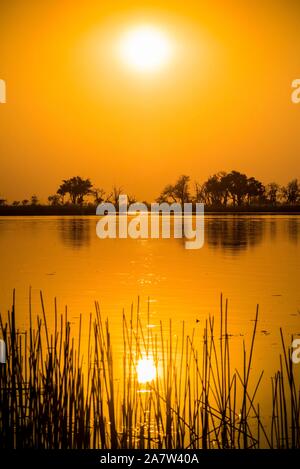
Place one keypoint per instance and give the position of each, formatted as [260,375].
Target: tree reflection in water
[75,232]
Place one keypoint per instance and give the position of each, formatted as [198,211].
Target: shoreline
[48,210]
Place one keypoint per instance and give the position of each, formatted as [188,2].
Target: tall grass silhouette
[53,396]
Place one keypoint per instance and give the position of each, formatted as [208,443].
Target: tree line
[219,190]
[231,189]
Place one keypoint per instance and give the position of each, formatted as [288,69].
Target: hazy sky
[74,108]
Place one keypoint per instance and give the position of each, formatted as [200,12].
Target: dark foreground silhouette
[55,395]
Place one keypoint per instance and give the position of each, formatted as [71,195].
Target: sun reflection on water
[146,370]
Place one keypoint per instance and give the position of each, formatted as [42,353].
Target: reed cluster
[54,394]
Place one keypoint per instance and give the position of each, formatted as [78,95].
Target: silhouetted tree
[16,203]
[181,189]
[115,194]
[200,195]
[215,190]
[167,194]
[61,192]
[54,199]
[132,199]
[272,193]
[99,195]
[76,187]
[34,200]
[221,187]
[236,184]
[291,192]
[179,192]
[255,190]
[2,202]
[25,202]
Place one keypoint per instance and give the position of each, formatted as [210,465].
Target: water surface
[250,259]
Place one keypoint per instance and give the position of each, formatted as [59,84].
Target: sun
[145,49]
[146,370]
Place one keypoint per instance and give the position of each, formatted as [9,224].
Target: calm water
[249,259]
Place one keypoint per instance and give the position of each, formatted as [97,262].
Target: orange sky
[73,108]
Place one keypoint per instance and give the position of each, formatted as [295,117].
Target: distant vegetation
[232,189]
[221,191]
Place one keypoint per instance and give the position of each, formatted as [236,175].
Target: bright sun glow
[145,48]
[146,370]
